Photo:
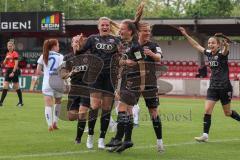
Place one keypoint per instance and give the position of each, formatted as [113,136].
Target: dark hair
[47,46]
[134,24]
[131,26]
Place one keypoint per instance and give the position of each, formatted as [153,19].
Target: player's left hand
[11,74]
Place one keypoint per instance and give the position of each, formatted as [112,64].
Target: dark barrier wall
[29,83]
[32,22]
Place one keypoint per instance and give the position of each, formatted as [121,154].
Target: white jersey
[54,61]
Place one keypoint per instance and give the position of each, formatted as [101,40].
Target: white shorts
[52,93]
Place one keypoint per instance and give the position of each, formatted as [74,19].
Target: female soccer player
[49,62]
[152,53]
[220,87]
[104,46]
[12,74]
[128,92]
[77,104]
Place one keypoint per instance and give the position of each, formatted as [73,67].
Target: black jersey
[131,74]
[150,65]
[103,47]
[219,68]
[73,62]
[133,50]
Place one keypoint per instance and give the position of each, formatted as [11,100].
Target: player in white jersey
[48,64]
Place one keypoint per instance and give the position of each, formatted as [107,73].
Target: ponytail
[139,13]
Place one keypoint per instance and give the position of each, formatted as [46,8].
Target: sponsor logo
[103,46]
[80,68]
[25,25]
[51,23]
[213,63]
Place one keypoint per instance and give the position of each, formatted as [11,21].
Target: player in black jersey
[152,53]
[78,101]
[104,46]
[220,87]
[129,88]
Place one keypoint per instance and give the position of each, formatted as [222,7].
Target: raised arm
[225,49]
[194,43]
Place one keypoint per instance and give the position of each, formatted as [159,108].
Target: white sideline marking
[89,151]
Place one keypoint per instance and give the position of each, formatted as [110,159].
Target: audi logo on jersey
[103,46]
[213,63]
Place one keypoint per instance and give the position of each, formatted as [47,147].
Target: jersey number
[53,63]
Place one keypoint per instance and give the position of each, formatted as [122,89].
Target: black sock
[129,128]
[93,114]
[19,93]
[4,93]
[80,128]
[235,115]
[157,125]
[206,123]
[121,119]
[105,119]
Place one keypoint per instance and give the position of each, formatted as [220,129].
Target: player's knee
[95,104]
[82,116]
[227,113]
[72,117]
[153,112]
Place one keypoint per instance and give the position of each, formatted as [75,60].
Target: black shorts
[150,95]
[13,79]
[103,84]
[224,95]
[74,102]
[78,95]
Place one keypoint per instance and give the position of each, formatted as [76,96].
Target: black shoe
[19,104]
[114,143]
[125,145]
[112,149]
[77,141]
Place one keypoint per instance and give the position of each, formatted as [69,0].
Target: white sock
[205,135]
[135,111]
[111,121]
[57,110]
[116,103]
[159,141]
[48,115]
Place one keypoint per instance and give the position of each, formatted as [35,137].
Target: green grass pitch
[24,134]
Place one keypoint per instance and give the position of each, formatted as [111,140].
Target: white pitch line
[90,151]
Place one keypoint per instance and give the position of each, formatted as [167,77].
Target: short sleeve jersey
[11,57]
[103,47]
[54,61]
[219,67]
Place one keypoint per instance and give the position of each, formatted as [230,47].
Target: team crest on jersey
[85,60]
[111,40]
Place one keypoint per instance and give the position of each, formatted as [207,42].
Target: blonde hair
[12,43]
[114,26]
[139,13]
